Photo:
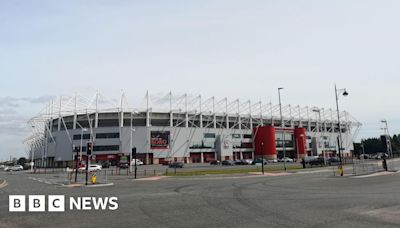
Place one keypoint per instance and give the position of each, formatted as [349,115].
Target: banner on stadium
[159,139]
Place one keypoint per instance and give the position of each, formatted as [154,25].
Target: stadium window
[247,136]
[84,136]
[209,135]
[107,135]
[106,148]
[236,136]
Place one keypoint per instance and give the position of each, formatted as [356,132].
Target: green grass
[227,171]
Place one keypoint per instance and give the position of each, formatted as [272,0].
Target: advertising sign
[159,139]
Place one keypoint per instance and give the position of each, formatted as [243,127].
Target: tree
[21,161]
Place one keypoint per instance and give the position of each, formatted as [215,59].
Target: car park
[176,165]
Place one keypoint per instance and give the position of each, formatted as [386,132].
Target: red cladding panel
[300,136]
[266,135]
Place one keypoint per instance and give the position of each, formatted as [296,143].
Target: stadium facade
[183,128]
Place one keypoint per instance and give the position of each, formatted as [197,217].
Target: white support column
[75,115]
[51,115]
[250,116]
[309,120]
[261,115]
[214,116]
[226,113]
[147,110]
[201,114]
[300,121]
[186,112]
[171,114]
[96,116]
[122,110]
[238,110]
[59,116]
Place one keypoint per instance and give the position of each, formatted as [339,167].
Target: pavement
[302,199]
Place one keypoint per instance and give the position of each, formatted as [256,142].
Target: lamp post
[130,157]
[387,137]
[318,131]
[282,128]
[32,152]
[337,93]
[262,159]
[80,151]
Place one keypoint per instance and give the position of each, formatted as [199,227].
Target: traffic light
[89,148]
[134,152]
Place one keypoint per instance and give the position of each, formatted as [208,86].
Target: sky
[223,48]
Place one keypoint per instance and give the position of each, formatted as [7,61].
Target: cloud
[15,101]
[7,111]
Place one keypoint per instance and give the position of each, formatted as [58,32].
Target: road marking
[3,184]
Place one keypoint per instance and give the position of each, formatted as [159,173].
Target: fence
[368,166]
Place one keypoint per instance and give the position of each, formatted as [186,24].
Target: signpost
[134,159]
[89,150]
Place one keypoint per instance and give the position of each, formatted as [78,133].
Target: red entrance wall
[265,135]
[301,141]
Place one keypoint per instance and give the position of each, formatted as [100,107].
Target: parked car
[228,162]
[247,161]
[7,168]
[317,161]
[105,164]
[92,168]
[123,165]
[258,161]
[176,165]
[2,166]
[273,161]
[16,168]
[215,162]
[285,159]
[239,162]
[138,162]
[333,161]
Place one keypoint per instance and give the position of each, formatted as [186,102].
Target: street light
[32,151]
[131,132]
[317,110]
[387,136]
[80,151]
[337,93]
[282,126]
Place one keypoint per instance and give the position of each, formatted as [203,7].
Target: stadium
[184,128]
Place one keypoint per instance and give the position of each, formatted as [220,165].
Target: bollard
[154,172]
[112,172]
[127,172]
[94,178]
[144,172]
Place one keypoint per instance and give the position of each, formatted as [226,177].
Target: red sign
[159,139]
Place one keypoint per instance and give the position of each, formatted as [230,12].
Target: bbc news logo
[57,203]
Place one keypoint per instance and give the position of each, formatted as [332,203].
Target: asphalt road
[315,199]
